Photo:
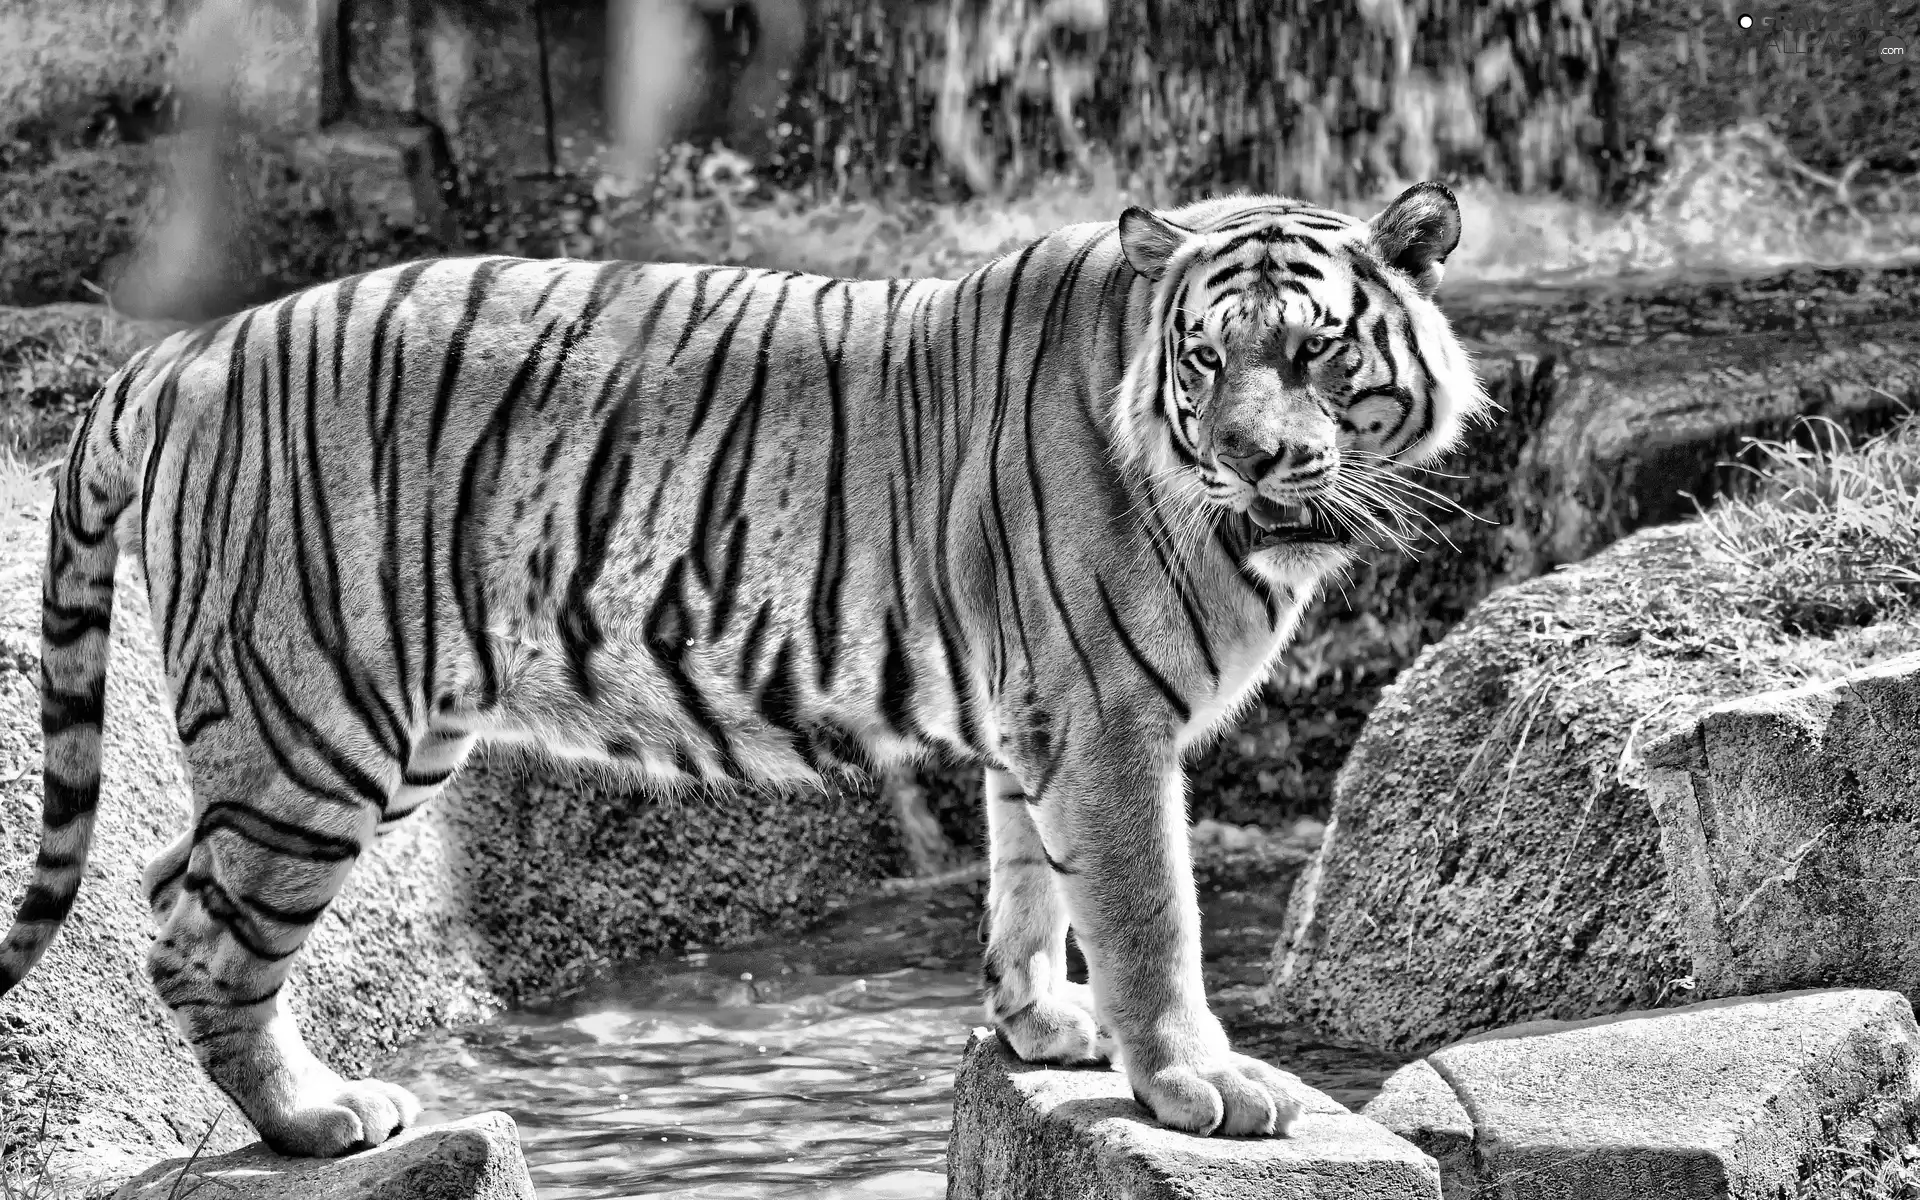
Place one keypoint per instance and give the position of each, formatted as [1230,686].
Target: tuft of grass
[26,1151]
[186,1184]
[52,360]
[22,487]
[1829,532]
[1811,572]
[1878,1171]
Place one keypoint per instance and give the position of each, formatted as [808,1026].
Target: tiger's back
[710,525]
[678,519]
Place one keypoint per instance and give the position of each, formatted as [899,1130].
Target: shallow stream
[813,1065]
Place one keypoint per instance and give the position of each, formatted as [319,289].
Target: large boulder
[1493,856]
[481,901]
[1790,823]
[1739,1099]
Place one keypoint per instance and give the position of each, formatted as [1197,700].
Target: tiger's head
[1293,356]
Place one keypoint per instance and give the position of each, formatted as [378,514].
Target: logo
[1831,30]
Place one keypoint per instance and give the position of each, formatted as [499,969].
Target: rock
[1044,1133]
[1492,855]
[1732,1099]
[1654,390]
[473,1159]
[1418,1104]
[1790,826]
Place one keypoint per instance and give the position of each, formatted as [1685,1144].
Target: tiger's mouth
[1276,524]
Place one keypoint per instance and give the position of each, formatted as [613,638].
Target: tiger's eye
[1203,358]
[1314,345]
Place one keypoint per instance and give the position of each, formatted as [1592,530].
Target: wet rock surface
[1045,1133]
[474,1159]
[1790,826]
[1724,1100]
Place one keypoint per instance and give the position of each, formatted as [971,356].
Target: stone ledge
[1790,826]
[1042,1133]
[1723,1100]
[477,1158]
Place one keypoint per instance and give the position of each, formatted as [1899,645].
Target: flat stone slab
[1045,1133]
[1790,826]
[1723,1100]
[477,1158]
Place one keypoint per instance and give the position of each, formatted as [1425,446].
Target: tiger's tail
[76,609]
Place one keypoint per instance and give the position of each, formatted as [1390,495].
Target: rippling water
[707,1084]
[815,1065]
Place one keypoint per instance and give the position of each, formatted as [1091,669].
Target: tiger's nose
[1254,460]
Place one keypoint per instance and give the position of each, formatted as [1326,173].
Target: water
[812,1065]
[701,1084]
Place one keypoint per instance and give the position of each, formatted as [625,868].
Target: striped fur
[706,526]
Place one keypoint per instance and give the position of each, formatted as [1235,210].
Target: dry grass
[1877,1172]
[52,360]
[30,1147]
[1830,534]
[1813,572]
[26,1152]
[22,487]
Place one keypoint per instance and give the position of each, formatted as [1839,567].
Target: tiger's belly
[692,719]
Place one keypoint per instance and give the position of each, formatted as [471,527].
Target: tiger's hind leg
[267,853]
[1041,1014]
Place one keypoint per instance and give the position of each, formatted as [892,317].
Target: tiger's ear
[1415,233]
[1149,240]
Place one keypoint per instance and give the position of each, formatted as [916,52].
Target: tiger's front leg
[1041,1015]
[1113,829]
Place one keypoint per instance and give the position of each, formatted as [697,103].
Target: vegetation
[26,1152]
[1877,1171]
[1830,536]
[1812,572]
[52,359]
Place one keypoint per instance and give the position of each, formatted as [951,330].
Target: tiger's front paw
[330,1116]
[1059,1027]
[1225,1093]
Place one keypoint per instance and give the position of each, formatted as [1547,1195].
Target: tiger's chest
[1246,647]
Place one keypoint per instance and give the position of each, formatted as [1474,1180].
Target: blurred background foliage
[316,137]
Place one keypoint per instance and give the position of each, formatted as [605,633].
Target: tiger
[704,527]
